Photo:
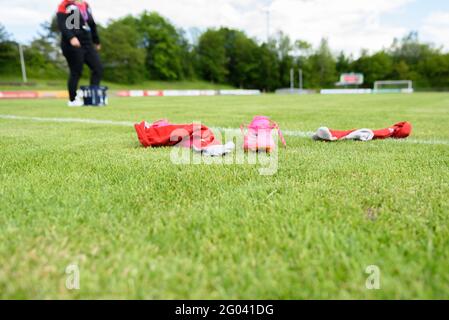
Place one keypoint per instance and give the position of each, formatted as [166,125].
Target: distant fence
[295,91]
[346,91]
[17,84]
[365,91]
[130,93]
[33,94]
[185,93]
[191,93]
[239,92]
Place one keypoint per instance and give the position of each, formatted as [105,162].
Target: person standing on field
[80,44]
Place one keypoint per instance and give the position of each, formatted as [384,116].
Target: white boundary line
[289,133]
[68,120]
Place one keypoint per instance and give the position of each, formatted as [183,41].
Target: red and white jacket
[85,29]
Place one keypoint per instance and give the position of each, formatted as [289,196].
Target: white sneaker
[218,150]
[324,134]
[75,103]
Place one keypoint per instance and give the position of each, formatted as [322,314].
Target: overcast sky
[349,25]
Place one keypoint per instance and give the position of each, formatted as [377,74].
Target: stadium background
[148,47]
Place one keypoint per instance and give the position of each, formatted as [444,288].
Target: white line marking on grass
[289,133]
[68,120]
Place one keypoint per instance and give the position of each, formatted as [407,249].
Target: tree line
[149,47]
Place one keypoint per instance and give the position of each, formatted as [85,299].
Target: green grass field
[139,226]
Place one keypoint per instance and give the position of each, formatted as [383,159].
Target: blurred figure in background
[80,45]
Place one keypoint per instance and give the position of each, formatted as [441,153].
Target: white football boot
[75,103]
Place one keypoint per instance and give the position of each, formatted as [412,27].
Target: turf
[140,226]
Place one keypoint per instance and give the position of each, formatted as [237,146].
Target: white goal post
[401,86]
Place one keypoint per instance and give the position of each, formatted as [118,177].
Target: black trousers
[76,58]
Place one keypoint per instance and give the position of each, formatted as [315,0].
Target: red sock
[400,130]
[341,134]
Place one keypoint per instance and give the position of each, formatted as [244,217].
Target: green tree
[284,48]
[4,35]
[401,70]
[163,44]
[188,57]
[410,50]
[241,56]
[303,48]
[9,54]
[227,55]
[267,78]
[212,60]
[323,66]
[303,51]
[376,67]
[434,71]
[344,63]
[123,59]
[408,53]
[44,53]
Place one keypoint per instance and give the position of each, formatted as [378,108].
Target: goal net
[393,86]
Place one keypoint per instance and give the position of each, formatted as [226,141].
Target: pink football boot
[259,135]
